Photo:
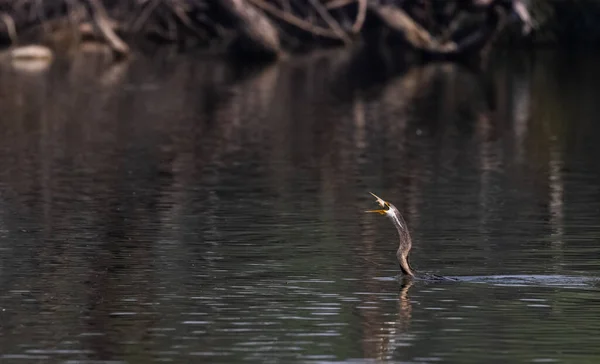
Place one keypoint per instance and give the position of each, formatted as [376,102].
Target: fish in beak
[381,203]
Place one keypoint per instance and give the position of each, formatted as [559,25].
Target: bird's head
[384,204]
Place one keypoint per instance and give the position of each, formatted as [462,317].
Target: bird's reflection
[404,305]
[397,330]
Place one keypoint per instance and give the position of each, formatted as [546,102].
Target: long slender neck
[405,241]
[405,266]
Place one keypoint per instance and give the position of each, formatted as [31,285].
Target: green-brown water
[181,210]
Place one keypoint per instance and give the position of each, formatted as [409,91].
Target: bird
[405,241]
[405,244]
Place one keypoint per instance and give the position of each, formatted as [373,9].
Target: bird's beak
[381,202]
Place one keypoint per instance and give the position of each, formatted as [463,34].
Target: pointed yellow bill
[381,212]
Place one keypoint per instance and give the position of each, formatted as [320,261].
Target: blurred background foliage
[566,22]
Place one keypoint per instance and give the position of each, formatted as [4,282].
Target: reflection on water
[184,210]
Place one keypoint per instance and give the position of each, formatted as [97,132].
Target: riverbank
[263,28]
[272,29]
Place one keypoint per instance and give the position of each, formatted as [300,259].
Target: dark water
[180,210]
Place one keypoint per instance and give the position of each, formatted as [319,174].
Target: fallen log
[399,22]
[255,28]
[103,24]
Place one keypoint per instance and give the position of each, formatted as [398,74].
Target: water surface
[186,210]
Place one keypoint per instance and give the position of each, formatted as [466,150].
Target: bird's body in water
[405,243]
[409,274]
